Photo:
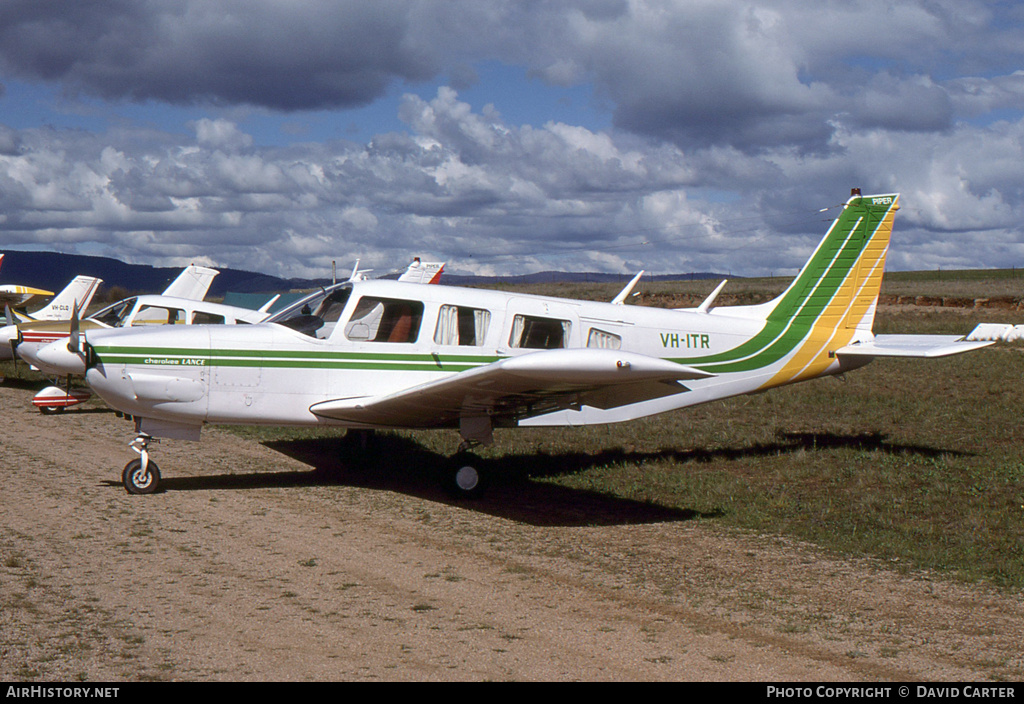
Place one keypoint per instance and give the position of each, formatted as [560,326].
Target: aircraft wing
[18,296]
[520,387]
[919,346]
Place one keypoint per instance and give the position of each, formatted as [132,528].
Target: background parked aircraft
[77,295]
[17,296]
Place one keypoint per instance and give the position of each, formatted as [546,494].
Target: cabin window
[458,325]
[531,332]
[203,318]
[603,340]
[159,315]
[385,320]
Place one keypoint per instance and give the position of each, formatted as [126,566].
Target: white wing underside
[519,387]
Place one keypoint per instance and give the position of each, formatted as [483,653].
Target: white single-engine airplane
[180,304]
[384,354]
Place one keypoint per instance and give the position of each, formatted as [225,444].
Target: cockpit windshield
[114,315]
[316,314]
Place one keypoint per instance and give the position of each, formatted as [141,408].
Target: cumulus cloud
[734,123]
[285,55]
[465,186]
[697,72]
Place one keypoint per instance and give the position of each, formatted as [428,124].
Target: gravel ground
[247,567]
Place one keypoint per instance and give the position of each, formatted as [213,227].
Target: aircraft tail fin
[838,287]
[420,272]
[833,299]
[192,283]
[78,293]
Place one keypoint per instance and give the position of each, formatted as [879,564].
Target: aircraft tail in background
[192,283]
[78,293]
[420,272]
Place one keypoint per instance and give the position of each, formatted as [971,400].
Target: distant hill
[52,271]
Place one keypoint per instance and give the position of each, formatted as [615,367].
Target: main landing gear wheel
[137,480]
[464,478]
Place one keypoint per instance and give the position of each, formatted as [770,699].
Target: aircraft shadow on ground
[517,490]
[15,382]
[397,464]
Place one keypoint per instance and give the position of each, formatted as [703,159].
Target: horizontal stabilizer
[997,332]
[913,346]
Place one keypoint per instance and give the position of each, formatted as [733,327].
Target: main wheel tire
[138,482]
[51,410]
[464,478]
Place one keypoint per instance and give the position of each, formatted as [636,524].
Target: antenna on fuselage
[706,305]
[624,293]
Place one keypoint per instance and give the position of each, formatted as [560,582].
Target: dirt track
[248,568]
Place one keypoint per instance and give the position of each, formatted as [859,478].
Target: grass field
[916,463]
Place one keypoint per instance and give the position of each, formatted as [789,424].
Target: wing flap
[520,387]
[911,346]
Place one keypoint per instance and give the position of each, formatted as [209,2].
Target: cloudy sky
[508,136]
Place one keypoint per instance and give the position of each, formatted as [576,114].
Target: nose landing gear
[141,476]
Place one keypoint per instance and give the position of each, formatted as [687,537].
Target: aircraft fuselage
[387,337]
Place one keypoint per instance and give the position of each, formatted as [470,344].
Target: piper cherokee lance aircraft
[383,354]
[192,284]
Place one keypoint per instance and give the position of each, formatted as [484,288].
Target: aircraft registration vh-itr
[385,354]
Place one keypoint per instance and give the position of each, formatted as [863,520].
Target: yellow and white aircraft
[17,296]
[385,354]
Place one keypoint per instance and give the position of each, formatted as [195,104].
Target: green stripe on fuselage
[292,359]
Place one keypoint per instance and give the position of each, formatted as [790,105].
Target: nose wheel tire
[138,481]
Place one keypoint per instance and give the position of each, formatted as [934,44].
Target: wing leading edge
[520,387]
